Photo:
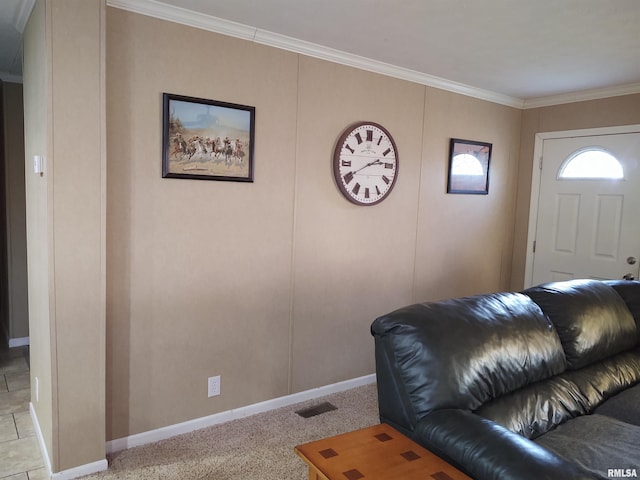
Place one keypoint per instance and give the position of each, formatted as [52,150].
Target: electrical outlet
[214,386]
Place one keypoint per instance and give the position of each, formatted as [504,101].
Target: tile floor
[20,457]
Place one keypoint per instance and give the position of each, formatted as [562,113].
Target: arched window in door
[591,163]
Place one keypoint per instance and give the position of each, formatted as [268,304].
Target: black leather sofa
[539,384]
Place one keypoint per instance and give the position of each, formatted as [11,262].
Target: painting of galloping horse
[207,139]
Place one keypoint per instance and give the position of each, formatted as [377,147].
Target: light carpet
[256,447]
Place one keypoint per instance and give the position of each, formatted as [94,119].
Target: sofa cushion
[502,341]
[488,451]
[591,318]
[536,409]
[630,293]
[601,380]
[596,443]
[624,406]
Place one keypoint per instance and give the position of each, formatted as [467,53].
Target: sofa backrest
[598,335]
[591,318]
[629,290]
[461,353]
[528,365]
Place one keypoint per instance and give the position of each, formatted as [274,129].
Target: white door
[588,226]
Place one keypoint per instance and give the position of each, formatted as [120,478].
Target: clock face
[365,163]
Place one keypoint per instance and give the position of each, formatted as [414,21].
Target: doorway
[585,201]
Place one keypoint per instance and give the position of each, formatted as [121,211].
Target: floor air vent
[316,410]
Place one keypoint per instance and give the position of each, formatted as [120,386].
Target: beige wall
[78,140]
[199,272]
[623,110]
[271,284]
[274,284]
[465,241]
[36,113]
[65,122]
[16,308]
[350,263]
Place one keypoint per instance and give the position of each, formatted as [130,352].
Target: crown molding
[183,16]
[157,9]
[336,56]
[23,14]
[582,96]
[153,8]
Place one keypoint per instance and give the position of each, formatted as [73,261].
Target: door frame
[536,175]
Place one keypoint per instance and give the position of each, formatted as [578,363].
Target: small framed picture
[469,167]
[207,139]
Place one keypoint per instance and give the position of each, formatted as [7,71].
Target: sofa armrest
[486,450]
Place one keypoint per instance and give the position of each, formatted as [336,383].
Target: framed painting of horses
[207,139]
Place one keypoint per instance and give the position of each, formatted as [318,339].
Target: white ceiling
[13,18]
[519,49]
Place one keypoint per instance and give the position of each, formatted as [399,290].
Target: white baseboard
[189,426]
[222,417]
[43,447]
[81,471]
[18,342]
[72,473]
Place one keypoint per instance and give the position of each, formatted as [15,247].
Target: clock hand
[376,162]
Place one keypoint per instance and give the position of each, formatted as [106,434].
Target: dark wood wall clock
[365,163]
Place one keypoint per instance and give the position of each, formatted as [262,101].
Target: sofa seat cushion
[591,318]
[488,451]
[624,406]
[596,443]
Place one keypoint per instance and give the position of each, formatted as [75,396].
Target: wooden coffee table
[379,453]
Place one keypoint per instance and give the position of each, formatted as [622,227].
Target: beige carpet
[257,447]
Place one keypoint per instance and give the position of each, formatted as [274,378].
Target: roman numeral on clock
[386,152]
[345,163]
[385,179]
[349,148]
[369,135]
[358,138]
[347,178]
[356,189]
